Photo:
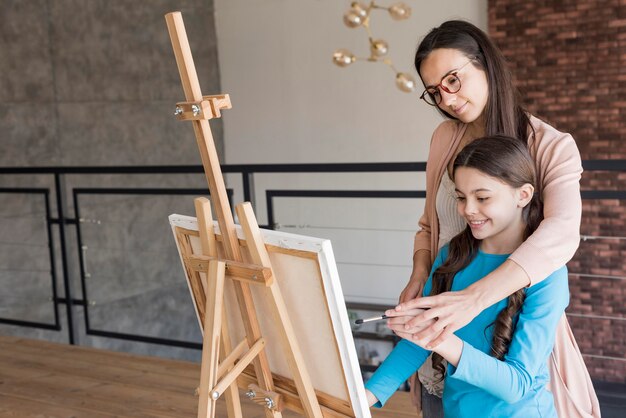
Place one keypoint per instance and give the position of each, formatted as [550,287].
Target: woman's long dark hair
[508,160]
[504,112]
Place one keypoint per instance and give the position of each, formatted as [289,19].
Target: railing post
[248,188]
[53,271]
[270,209]
[59,184]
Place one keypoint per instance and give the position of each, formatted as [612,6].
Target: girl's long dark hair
[504,113]
[508,160]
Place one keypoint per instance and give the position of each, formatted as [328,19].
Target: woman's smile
[459,109]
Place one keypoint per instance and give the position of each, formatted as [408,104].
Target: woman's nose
[447,99]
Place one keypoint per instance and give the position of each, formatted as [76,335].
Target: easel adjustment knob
[208,108]
[269,403]
[270,400]
[215,395]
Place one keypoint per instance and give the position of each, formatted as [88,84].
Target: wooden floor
[46,380]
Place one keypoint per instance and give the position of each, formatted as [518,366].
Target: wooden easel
[219,377]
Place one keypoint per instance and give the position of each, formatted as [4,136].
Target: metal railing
[62,221]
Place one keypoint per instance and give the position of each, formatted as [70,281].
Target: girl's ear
[525,195]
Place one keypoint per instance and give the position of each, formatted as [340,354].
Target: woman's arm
[406,357]
[555,241]
[550,246]
[444,137]
[453,310]
[419,274]
[510,379]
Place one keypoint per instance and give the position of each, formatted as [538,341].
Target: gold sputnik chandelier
[359,16]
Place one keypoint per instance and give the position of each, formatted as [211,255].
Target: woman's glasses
[450,83]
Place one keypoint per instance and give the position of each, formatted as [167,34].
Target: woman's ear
[525,195]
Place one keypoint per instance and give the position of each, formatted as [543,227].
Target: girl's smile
[476,225]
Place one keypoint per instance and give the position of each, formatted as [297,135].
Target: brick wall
[569,61]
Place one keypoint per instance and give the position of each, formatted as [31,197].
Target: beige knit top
[450,222]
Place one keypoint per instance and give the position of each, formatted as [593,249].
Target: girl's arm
[405,358]
[533,339]
[400,364]
[550,246]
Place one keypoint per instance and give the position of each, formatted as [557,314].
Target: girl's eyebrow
[473,191]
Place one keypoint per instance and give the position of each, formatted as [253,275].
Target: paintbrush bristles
[376,318]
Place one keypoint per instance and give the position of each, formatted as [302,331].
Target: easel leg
[253,333]
[233,402]
[211,341]
[209,247]
[292,351]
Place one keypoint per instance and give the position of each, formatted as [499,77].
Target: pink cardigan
[559,169]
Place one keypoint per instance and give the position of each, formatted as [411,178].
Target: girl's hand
[371,398]
[398,322]
[451,349]
[448,312]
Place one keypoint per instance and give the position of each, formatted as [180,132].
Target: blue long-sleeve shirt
[482,385]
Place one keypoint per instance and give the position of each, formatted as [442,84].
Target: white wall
[291,104]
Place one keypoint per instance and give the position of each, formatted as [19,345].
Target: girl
[497,364]
[467,81]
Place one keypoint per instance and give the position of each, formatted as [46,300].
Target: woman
[467,80]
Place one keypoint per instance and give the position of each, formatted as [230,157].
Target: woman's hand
[453,310]
[413,289]
[441,315]
[419,275]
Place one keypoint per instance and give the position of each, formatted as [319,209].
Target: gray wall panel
[94,83]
